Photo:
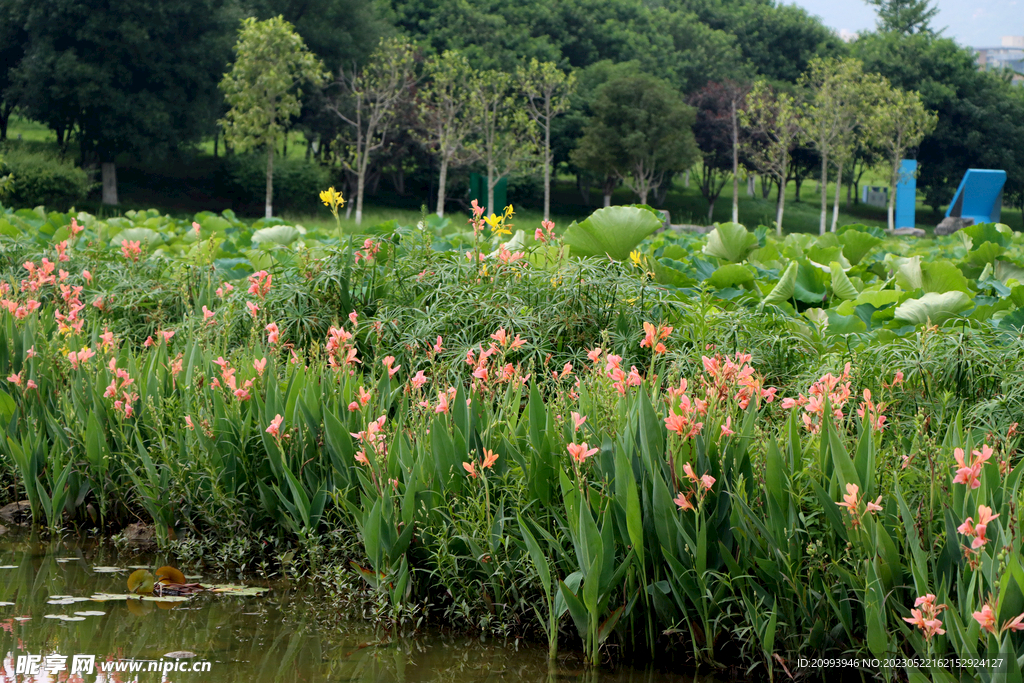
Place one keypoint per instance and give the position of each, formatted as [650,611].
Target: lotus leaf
[942,276]
[613,231]
[844,324]
[730,242]
[857,244]
[278,234]
[841,285]
[933,307]
[810,286]
[785,287]
[731,275]
[146,236]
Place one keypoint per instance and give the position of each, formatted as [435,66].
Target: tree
[134,76]
[774,120]
[978,111]
[369,102]
[640,131]
[547,89]
[832,116]
[716,131]
[445,115]
[904,16]
[506,132]
[13,43]
[262,87]
[900,122]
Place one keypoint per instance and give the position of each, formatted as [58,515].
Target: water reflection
[280,636]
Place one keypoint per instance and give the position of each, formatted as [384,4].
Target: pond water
[280,635]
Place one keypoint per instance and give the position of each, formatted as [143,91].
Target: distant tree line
[616,92]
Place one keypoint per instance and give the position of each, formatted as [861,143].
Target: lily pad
[66,601]
[91,613]
[6,604]
[111,597]
[108,570]
[169,575]
[63,617]
[141,581]
[9,566]
[62,560]
[165,598]
[181,654]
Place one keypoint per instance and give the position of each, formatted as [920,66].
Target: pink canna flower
[516,343]
[875,506]
[594,355]
[260,366]
[418,380]
[683,502]
[149,342]
[273,333]
[577,420]
[208,316]
[242,395]
[15,379]
[353,318]
[851,498]
[188,423]
[442,402]
[438,347]
[353,406]
[253,308]
[727,427]
[388,362]
[986,618]
[500,336]
[707,481]
[31,385]
[87,275]
[470,468]
[580,452]
[275,426]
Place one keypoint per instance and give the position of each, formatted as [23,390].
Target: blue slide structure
[979,197]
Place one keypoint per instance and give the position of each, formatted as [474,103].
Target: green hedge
[41,178]
[297,183]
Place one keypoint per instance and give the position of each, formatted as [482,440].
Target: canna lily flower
[31,385]
[364,396]
[149,342]
[353,407]
[727,427]
[875,506]
[253,308]
[353,318]
[242,395]
[594,355]
[707,481]
[577,420]
[438,347]
[195,229]
[275,426]
[260,366]
[208,316]
[15,379]
[516,343]
[490,457]
[273,333]
[87,275]
[501,336]
[418,380]
[388,362]
[580,452]
[690,474]
[168,335]
[986,618]
[851,498]
[442,402]
[470,468]
[188,423]
[683,503]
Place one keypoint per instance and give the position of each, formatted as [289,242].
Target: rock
[700,229]
[139,533]
[909,232]
[3,530]
[951,224]
[19,513]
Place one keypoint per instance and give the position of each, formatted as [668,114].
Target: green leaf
[731,275]
[613,230]
[841,285]
[810,285]
[783,291]
[730,242]
[942,276]
[278,234]
[857,244]
[933,307]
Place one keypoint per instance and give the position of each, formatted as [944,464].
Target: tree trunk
[109,173]
[824,194]
[440,187]
[5,116]
[711,209]
[735,166]
[780,205]
[750,186]
[270,181]
[835,204]
[686,179]
[547,168]
[490,190]
[643,193]
[891,211]
[216,143]
[607,199]
[360,188]
[584,188]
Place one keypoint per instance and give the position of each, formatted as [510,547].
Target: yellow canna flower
[332,198]
[637,258]
[508,211]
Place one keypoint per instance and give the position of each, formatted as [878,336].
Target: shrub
[297,182]
[42,178]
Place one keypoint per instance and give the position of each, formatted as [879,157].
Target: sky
[973,23]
